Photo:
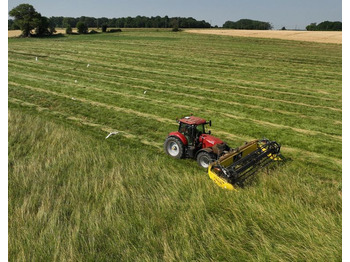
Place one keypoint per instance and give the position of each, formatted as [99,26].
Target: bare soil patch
[334,37]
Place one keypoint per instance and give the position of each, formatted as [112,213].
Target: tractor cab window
[182,128]
[200,130]
[188,131]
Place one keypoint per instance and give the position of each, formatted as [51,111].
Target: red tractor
[193,141]
[226,166]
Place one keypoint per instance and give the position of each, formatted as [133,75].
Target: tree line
[123,22]
[325,26]
[132,22]
[247,24]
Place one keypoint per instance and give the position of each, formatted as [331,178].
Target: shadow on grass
[59,35]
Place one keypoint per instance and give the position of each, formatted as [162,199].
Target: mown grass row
[121,67]
[118,56]
[140,59]
[243,93]
[316,143]
[279,53]
[107,49]
[122,70]
[129,86]
[73,195]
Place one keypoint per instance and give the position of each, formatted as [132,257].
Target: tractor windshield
[201,129]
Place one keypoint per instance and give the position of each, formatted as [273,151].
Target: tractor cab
[192,128]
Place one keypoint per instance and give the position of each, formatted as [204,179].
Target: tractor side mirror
[209,122]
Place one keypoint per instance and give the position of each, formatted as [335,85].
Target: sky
[293,14]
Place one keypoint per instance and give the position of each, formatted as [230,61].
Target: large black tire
[174,147]
[204,159]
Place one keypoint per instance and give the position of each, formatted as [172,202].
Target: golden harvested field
[15,33]
[334,37]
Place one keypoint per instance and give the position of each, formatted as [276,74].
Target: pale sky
[296,14]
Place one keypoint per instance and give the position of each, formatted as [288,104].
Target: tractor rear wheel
[204,159]
[174,147]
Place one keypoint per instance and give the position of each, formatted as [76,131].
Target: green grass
[74,195]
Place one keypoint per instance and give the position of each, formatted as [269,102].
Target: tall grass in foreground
[75,196]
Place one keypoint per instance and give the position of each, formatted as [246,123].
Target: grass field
[76,196]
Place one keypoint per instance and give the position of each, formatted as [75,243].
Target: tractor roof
[192,120]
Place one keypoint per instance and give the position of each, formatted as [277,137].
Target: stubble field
[74,195]
[333,37]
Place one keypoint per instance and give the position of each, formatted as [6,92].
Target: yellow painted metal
[272,156]
[229,158]
[218,180]
[244,150]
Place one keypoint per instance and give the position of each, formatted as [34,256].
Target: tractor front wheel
[204,159]
[174,147]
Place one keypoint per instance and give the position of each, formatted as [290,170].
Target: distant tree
[121,22]
[69,30]
[139,21]
[26,18]
[129,22]
[12,25]
[283,28]
[325,26]
[174,22]
[42,26]
[9,23]
[311,27]
[57,21]
[102,21]
[229,24]
[175,28]
[69,21]
[52,26]
[104,28]
[82,28]
[248,24]
[112,22]
[329,26]
[166,21]
[88,21]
